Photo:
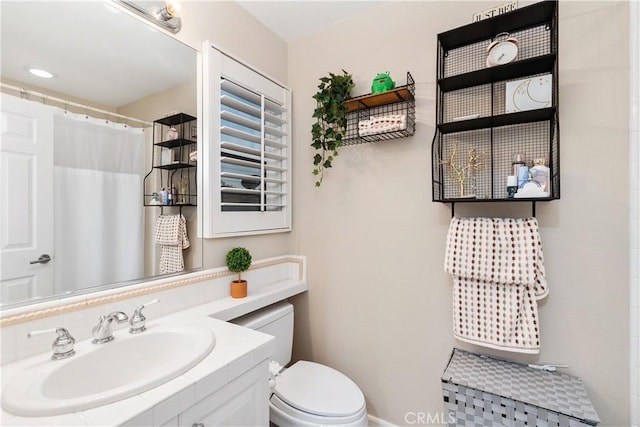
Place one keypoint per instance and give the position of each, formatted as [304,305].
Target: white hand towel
[498,274]
[167,229]
[494,315]
[171,235]
[496,250]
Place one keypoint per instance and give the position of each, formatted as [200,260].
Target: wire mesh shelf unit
[173,162]
[471,106]
[394,111]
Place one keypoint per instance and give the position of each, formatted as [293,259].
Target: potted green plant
[331,114]
[238,261]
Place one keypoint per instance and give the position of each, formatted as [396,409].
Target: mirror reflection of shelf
[173,161]
[172,166]
[173,143]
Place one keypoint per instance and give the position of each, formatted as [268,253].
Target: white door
[26,199]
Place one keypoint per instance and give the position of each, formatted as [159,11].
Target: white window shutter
[245,150]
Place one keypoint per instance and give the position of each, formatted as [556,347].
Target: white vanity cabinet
[242,402]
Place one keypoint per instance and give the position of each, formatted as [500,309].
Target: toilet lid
[319,390]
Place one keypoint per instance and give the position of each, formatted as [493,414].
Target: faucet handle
[137,320]
[63,344]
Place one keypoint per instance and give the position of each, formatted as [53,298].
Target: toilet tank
[276,320]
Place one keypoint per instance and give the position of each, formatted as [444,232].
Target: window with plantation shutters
[245,150]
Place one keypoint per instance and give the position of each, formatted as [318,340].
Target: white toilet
[306,393]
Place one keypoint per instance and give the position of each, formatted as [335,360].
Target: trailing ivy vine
[331,114]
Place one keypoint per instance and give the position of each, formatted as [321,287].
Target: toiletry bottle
[523,176]
[512,186]
[518,160]
[176,195]
[541,173]
[169,196]
[164,195]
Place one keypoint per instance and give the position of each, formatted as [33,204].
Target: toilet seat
[318,390]
[285,415]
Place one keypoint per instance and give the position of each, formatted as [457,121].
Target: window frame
[216,222]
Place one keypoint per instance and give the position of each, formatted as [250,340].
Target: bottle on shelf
[512,186]
[155,199]
[164,195]
[540,172]
[518,160]
[523,175]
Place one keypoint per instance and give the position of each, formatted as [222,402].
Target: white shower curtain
[98,207]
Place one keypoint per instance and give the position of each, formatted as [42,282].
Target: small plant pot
[238,289]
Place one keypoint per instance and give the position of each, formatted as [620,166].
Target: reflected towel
[171,235]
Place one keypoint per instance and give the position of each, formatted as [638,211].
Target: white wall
[634,230]
[379,303]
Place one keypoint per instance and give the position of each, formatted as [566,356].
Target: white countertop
[237,349]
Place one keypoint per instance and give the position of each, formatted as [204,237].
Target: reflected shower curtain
[98,212]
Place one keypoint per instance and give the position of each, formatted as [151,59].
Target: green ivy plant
[238,261]
[331,114]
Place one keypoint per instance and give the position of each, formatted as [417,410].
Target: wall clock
[502,50]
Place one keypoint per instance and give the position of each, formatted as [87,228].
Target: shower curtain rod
[26,94]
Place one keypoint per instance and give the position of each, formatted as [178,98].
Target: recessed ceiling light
[40,73]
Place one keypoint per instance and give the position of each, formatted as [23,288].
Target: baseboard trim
[375,421]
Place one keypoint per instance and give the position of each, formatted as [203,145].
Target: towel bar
[171,206]
[533,209]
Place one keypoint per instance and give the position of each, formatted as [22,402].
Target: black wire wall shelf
[176,137]
[530,116]
[174,143]
[473,111]
[537,65]
[397,104]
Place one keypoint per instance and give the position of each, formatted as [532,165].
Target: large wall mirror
[71,178]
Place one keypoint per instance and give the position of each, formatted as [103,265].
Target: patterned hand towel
[171,235]
[497,250]
[498,274]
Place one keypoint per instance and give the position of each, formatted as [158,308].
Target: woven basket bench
[480,390]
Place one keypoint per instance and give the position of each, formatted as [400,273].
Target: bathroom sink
[105,373]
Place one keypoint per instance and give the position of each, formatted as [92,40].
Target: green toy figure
[382,83]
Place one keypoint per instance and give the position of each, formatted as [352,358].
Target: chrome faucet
[63,344]
[103,333]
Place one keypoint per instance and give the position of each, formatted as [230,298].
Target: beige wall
[180,98]
[379,303]
[230,28]
[233,30]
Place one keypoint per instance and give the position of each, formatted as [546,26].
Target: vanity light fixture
[168,12]
[164,14]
